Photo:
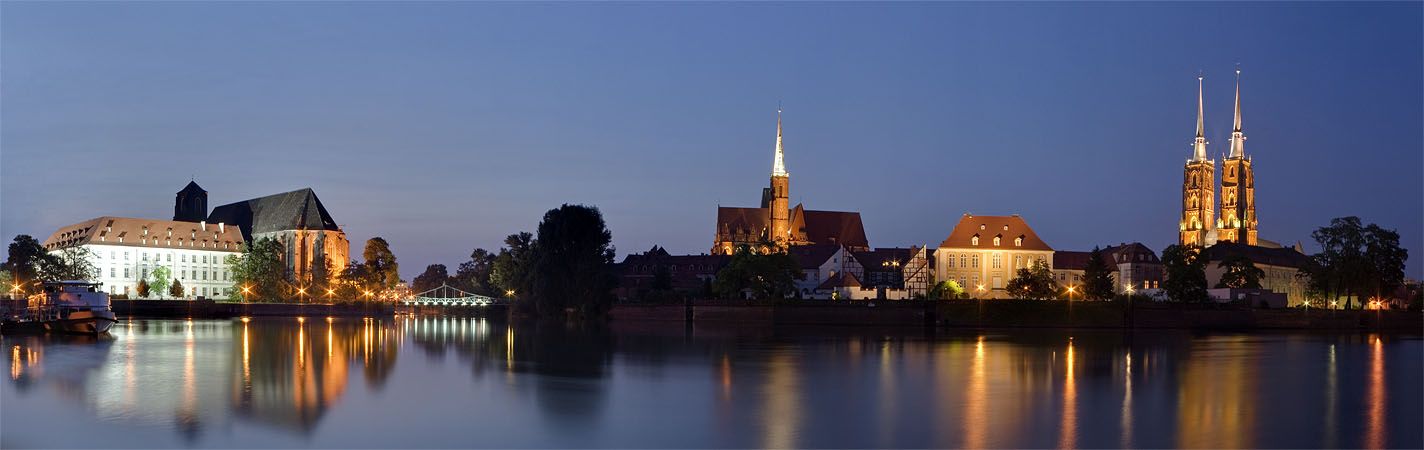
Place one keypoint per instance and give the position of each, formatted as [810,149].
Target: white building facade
[125,250]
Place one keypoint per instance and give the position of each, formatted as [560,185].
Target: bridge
[449,296]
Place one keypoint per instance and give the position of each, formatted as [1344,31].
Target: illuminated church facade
[775,226]
[1200,225]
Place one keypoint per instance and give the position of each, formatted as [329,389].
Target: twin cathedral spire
[1199,224]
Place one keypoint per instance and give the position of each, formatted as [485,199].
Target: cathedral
[775,226]
[1200,226]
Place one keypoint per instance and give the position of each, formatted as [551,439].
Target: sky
[443,127]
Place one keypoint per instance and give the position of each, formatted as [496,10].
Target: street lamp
[509,293]
[246,289]
[329,293]
[1070,292]
[301,292]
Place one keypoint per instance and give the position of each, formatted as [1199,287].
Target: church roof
[295,210]
[193,187]
[830,227]
[986,227]
[148,233]
[1281,257]
[734,219]
[812,256]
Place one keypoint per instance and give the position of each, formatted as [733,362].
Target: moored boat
[78,307]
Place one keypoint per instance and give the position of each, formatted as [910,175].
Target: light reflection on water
[461,382]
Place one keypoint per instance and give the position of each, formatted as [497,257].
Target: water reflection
[321,382]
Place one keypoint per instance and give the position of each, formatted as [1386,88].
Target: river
[461,382]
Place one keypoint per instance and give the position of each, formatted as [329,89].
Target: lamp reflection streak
[1069,428]
[976,417]
[1374,424]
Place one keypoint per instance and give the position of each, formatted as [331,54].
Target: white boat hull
[82,322]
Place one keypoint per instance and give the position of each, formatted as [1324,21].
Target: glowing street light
[509,293]
[329,293]
[1070,292]
[246,289]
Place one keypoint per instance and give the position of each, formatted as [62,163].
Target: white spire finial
[1199,144]
[778,166]
[1238,139]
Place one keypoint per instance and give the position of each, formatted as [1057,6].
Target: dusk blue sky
[446,126]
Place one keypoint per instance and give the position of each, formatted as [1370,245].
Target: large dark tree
[258,273]
[1240,273]
[1097,277]
[474,275]
[1356,261]
[142,288]
[381,262]
[511,272]
[573,262]
[1035,282]
[765,275]
[356,282]
[176,289]
[1185,273]
[433,276]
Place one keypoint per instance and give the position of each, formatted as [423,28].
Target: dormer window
[1018,241]
[996,240]
[974,240]
[1006,228]
[981,226]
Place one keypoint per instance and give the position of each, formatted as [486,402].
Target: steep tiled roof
[155,233]
[840,280]
[812,256]
[295,210]
[986,227]
[736,220]
[1121,253]
[841,227]
[1281,257]
[1070,260]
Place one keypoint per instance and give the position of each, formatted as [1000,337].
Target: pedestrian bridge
[448,296]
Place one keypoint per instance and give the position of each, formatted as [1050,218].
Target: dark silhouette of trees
[1241,273]
[510,273]
[573,263]
[1185,273]
[770,275]
[433,276]
[474,275]
[1355,261]
[1097,277]
[1034,282]
[259,270]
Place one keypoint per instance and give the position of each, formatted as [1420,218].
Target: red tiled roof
[157,233]
[840,280]
[812,256]
[737,220]
[841,227]
[1070,260]
[986,227]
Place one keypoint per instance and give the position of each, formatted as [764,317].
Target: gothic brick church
[776,226]
[1199,224]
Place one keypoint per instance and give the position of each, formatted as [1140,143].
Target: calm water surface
[426,382]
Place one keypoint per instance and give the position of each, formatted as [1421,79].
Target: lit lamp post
[246,289]
[329,294]
[301,294]
[1070,293]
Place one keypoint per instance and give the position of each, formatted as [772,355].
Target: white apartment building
[125,250]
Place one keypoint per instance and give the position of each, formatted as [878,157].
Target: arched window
[974,240]
[996,240]
[1018,241]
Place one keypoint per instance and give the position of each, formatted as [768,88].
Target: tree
[1241,273]
[1355,260]
[573,262]
[69,263]
[769,275]
[434,276]
[160,280]
[176,290]
[474,275]
[24,260]
[948,289]
[1185,272]
[381,262]
[142,288]
[355,282]
[259,270]
[510,273]
[6,281]
[1097,277]
[1034,282]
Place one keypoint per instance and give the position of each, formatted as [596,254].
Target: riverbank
[1021,314]
[209,309]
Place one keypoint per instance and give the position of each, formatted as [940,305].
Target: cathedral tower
[191,204]
[779,195]
[1238,186]
[1198,187]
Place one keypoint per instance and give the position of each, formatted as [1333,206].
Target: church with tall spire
[776,226]
[1238,186]
[1197,223]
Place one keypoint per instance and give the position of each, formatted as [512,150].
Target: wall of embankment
[1019,314]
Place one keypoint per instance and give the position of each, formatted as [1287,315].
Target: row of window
[180,274]
[1018,241]
[182,257]
[193,291]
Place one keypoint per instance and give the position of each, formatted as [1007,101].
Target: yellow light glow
[301,320]
[246,319]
